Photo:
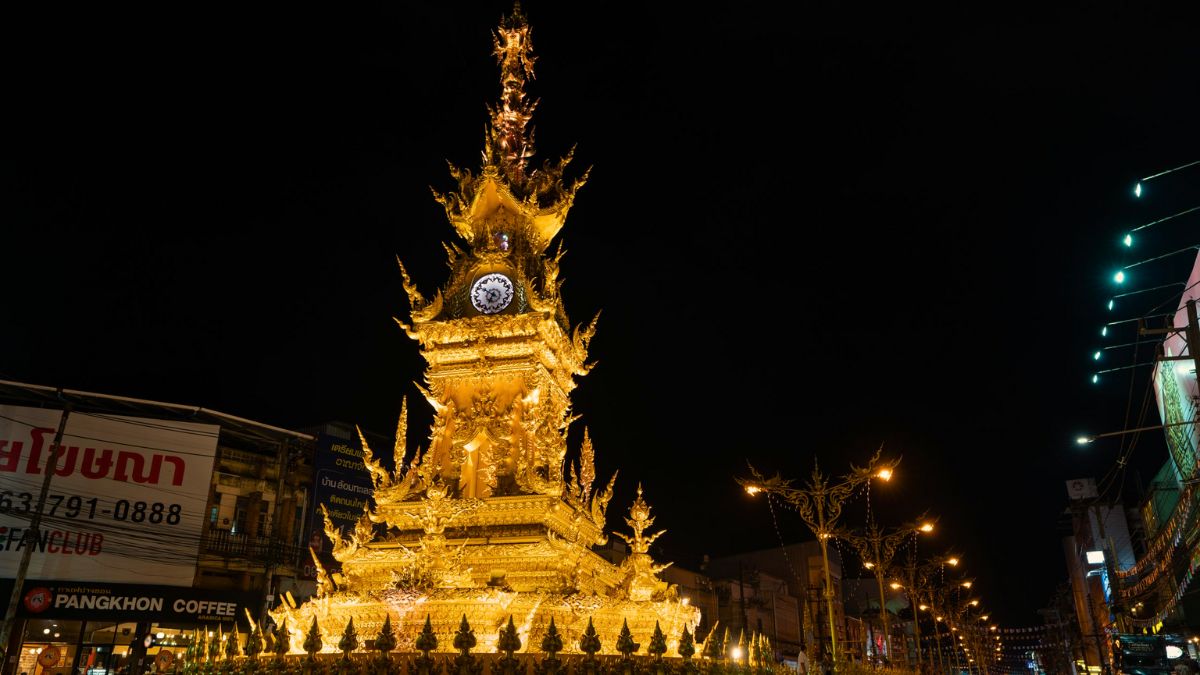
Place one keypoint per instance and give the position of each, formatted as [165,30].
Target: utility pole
[32,535]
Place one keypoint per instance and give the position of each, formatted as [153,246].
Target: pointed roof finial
[510,143]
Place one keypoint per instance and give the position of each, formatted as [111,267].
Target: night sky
[812,230]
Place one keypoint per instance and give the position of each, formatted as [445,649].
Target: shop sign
[126,499]
[133,602]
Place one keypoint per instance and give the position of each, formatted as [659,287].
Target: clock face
[491,293]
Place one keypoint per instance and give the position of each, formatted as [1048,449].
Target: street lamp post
[877,547]
[917,587]
[819,504]
[957,612]
[937,602]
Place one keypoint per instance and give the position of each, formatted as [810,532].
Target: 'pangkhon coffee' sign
[133,602]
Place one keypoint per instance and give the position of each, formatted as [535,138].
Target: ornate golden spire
[509,206]
[639,521]
[510,144]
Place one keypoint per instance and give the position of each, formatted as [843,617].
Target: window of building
[239,515]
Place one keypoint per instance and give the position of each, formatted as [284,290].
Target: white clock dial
[491,293]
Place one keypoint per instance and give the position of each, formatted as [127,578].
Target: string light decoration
[1167,544]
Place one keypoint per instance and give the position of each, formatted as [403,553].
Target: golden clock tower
[491,521]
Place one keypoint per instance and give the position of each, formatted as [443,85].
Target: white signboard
[125,504]
[1081,488]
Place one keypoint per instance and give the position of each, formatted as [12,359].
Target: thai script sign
[342,485]
[125,503]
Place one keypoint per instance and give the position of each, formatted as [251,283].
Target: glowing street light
[819,504]
[966,584]
[953,562]
[1084,440]
[878,546]
[1119,277]
[1128,240]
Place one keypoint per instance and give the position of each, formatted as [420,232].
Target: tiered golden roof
[491,521]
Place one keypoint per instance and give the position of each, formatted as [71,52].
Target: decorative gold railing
[268,654]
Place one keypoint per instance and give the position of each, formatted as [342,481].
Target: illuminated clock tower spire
[501,354]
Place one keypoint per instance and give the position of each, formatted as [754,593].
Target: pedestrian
[802,662]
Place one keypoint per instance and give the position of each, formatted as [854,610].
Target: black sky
[812,230]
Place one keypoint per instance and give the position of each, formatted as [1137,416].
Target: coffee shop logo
[38,600]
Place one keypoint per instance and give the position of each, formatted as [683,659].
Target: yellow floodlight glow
[869,565]
[736,653]
[926,527]
[922,607]
[885,474]
[966,584]
[753,490]
[895,585]
[953,562]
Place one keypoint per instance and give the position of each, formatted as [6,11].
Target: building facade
[158,520]
[795,574]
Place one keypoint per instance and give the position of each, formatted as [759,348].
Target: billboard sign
[125,502]
[342,485]
[1175,385]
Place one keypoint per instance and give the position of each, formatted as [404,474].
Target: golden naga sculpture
[491,520]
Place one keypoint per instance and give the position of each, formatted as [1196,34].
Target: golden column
[819,504]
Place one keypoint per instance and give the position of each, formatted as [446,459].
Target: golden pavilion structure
[492,521]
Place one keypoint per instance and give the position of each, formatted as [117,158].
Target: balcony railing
[265,549]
